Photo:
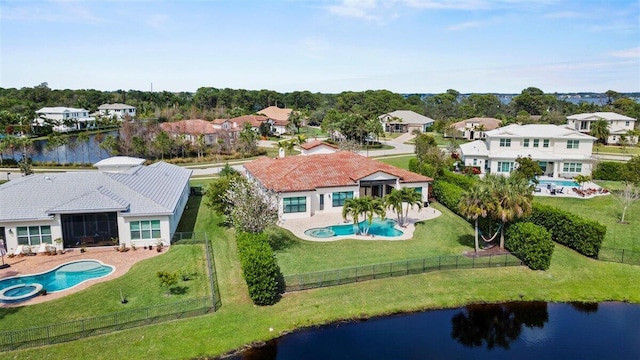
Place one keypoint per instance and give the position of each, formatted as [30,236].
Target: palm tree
[476,203]
[352,208]
[600,130]
[396,200]
[83,139]
[371,206]
[510,199]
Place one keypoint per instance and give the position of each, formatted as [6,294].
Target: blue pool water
[565,183]
[63,277]
[379,227]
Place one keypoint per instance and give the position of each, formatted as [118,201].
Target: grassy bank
[572,277]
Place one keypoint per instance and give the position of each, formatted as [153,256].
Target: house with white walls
[64,119]
[404,121]
[124,202]
[316,147]
[619,125]
[560,151]
[315,184]
[118,111]
[475,128]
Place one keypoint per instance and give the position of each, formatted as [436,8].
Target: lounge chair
[560,191]
[42,249]
[19,250]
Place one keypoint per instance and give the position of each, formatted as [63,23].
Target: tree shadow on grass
[178,290]
[466,240]
[190,215]
[280,239]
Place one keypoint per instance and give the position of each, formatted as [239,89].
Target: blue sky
[406,46]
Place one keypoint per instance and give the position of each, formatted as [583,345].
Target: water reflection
[496,324]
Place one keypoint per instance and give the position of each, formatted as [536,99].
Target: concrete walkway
[299,226]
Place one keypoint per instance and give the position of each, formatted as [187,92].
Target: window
[34,235]
[584,125]
[294,204]
[145,229]
[573,144]
[418,189]
[505,166]
[475,162]
[545,143]
[505,142]
[525,143]
[572,167]
[626,123]
[536,142]
[338,198]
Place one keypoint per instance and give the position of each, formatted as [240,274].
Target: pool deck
[299,226]
[28,265]
[567,191]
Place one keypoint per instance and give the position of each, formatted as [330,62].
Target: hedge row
[448,194]
[463,181]
[531,243]
[609,170]
[584,236]
[259,267]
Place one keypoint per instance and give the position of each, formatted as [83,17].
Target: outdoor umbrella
[3,252]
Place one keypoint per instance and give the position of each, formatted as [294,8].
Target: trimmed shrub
[609,170]
[448,194]
[422,169]
[584,236]
[531,243]
[259,267]
[463,181]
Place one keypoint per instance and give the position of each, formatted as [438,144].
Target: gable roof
[600,115]
[276,113]
[315,143]
[537,130]
[254,120]
[140,191]
[408,117]
[59,110]
[477,148]
[488,123]
[190,127]
[116,106]
[303,173]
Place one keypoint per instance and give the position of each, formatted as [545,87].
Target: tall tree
[397,199]
[476,203]
[600,130]
[511,199]
[627,196]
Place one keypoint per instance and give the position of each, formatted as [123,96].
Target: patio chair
[19,250]
[42,249]
[560,191]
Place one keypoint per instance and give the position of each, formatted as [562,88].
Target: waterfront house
[619,125]
[64,119]
[118,111]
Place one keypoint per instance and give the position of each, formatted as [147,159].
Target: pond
[531,330]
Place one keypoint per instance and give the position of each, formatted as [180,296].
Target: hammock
[493,237]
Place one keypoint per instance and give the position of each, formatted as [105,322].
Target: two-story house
[474,128]
[118,111]
[192,129]
[64,119]
[560,151]
[619,125]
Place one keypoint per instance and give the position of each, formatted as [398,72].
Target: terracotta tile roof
[219,121]
[254,120]
[276,113]
[301,173]
[191,127]
[311,144]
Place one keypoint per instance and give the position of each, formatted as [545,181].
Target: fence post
[490,258]
[457,262]
[424,265]
[339,277]
[356,274]
[407,267]
[505,259]
[439,261]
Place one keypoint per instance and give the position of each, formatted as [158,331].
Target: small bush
[422,169]
[448,194]
[609,170]
[259,267]
[584,236]
[531,243]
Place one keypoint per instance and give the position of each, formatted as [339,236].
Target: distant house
[276,113]
[277,127]
[403,121]
[560,151]
[314,184]
[64,119]
[475,128]
[118,111]
[619,125]
[124,201]
[192,129]
[317,147]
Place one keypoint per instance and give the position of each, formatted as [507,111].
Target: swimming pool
[65,276]
[379,227]
[565,183]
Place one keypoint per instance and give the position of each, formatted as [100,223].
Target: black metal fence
[399,268]
[73,330]
[619,255]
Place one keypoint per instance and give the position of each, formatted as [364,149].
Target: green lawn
[571,277]
[607,211]
[398,161]
[610,149]
[444,235]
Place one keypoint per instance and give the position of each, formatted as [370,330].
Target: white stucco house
[64,119]
[619,125]
[404,121]
[118,110]
[123,200]
[314,184]
[475,128]
[317,147]
[560,151]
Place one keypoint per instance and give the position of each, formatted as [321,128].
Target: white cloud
[627,53]
[448,4]
[465,25]
[57,11]
[360,9]
[565,15]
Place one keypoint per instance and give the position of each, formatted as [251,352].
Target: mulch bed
[494,250]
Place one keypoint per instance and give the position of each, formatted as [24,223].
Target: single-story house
[475,128]
[276,113]
[404,121]
[309,185]
[124,202]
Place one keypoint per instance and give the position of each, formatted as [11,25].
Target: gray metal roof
[408,117]
[145,190]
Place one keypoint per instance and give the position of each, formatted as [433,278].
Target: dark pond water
[72,153]
[503,331]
